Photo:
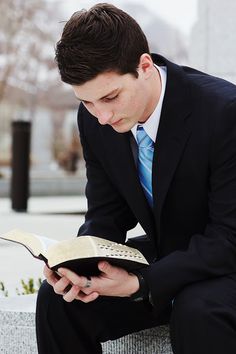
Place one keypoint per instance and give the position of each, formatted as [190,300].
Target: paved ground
[53,217]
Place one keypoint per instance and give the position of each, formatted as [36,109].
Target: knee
[189,307]
[46,295]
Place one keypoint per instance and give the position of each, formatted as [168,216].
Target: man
[159,142]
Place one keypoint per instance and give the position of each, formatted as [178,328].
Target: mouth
[116,123]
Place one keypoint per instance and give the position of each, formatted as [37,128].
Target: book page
[45,242]
[35,244]
[90,246]
[77,248]
[112,249]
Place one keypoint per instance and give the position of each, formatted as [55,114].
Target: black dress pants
[202,320]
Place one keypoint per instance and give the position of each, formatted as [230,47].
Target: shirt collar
[152,123]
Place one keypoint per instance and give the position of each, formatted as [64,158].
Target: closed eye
[108,99]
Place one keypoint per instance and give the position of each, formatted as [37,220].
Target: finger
[87,291]
[74,278]
[108,269]
[47,271]
[72,293]
[87,298]
[61,286]
[50,276]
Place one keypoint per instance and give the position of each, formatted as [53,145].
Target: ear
[145,64]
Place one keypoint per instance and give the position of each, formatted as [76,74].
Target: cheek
[129,104]
[135,104]
[91,109]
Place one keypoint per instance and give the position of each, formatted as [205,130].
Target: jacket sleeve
[213,253]
[108,214]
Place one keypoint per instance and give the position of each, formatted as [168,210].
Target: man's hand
[112,281]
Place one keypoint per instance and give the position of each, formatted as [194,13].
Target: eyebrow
[108,94]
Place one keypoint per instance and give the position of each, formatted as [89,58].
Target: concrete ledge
[17,332]
[17,325]
[150,341]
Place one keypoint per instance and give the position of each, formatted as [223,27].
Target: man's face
[118,100]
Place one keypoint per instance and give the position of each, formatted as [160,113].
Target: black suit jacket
[192,228]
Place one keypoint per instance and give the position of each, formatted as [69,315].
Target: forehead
[102,85]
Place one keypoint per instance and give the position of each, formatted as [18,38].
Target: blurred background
[198,33]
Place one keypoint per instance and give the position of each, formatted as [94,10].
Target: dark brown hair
[99,40]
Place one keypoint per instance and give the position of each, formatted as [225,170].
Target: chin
[122,129]
[118,130]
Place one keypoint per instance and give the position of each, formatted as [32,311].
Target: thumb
[105,267]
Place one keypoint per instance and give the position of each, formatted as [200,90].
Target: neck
[155,87]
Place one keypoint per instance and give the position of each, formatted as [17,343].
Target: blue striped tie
[145,157]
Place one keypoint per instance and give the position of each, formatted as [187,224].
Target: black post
[20,165]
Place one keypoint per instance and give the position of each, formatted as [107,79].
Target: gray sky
[180,13]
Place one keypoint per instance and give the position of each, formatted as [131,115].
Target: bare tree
[28,32]
[27,37]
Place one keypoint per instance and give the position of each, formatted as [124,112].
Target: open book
[80,254]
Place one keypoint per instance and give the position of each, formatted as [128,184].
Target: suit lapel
[122,165]
[173,134]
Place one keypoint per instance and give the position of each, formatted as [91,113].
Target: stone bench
[17,332]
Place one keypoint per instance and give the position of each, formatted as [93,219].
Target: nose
[104,116]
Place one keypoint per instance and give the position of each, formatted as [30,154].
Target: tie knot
[143,139]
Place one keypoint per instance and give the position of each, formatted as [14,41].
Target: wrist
[134,284]
[142,290]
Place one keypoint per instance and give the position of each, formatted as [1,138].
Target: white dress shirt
[152,123]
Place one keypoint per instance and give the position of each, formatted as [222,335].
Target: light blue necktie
[145,157]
